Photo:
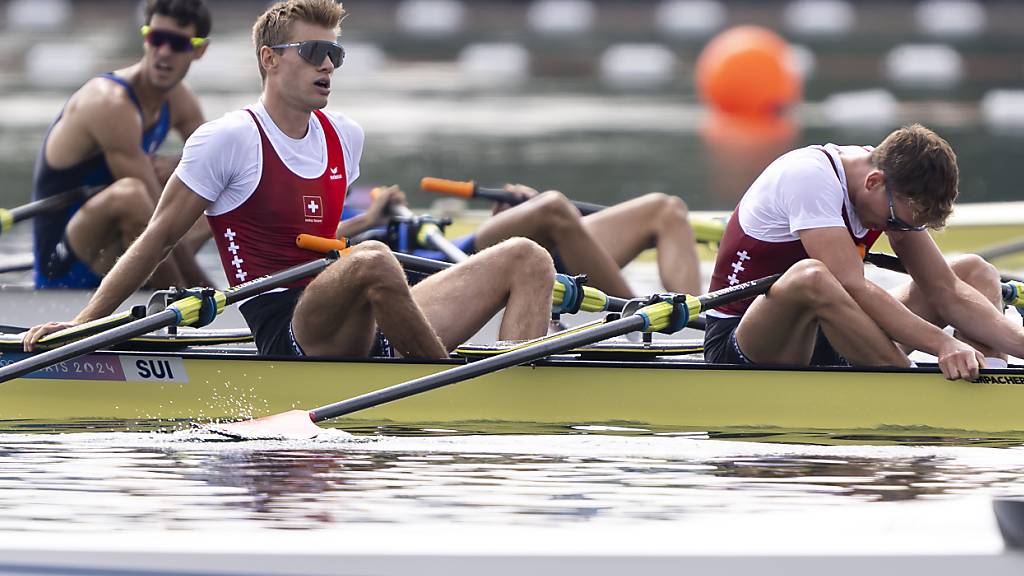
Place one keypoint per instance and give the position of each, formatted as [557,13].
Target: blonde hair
[274,26]
[920,167]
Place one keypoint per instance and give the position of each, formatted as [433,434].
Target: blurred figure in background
[107,135]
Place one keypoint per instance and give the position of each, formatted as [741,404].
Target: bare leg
[516,274]
[104,227]
[653,220]
[975,272]
[805,297]
[340,309]
[554,223]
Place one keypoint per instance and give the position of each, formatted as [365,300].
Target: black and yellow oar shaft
[9,217]
[197,309]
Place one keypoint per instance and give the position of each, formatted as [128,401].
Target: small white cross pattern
[313,207]
[742,254]
[237,262]
[733,279]
[738,267]
[230,235]
[241,276]
[233,248]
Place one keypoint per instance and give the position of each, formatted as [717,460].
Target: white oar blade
[291,425]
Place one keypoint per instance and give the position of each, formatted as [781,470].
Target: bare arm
[834,248]
[375,215]
[178,209]
[958,303]
[117,129]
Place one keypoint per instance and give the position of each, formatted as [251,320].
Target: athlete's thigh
[460,300]
[624,230]
[521,220]
[94,232]
[333,315]
[777,330]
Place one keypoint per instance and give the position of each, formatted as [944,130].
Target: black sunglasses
[314,51]
[177,42]
[895,222]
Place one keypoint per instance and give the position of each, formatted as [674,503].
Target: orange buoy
[746,71]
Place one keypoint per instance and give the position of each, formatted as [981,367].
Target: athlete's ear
[268,58]
[874,179]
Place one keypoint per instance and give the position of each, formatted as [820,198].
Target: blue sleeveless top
[53,267]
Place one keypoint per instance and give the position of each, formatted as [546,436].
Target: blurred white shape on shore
[637,66]
[59,65]
[951,18]
[23,15]
[819,17]
[1003,110]
[500,63]
[802,60]
[560,16]
[228,64]
[690,17]
[430,17]
[929,65]
[362,58]
[862,108]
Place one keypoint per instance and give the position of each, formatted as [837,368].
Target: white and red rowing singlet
[288,187]
[801,190]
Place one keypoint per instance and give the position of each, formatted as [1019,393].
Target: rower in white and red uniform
[282,167]
[812,215]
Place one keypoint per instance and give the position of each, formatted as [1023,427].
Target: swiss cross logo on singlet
[313,208]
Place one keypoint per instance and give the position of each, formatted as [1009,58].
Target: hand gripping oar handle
[184,312]
[471,190]
[568,293]
[653,317]
[9,217]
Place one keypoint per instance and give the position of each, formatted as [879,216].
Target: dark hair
[921,167]
[185,12]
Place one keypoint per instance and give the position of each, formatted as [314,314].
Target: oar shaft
[530,353]
[55,202]
[431,235]
[478,368]
[469,189]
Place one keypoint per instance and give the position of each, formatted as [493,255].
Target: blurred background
[601,99]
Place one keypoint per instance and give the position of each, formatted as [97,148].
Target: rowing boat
[618,384]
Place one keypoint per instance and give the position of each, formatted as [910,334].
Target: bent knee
[372,263]
[975,270]
[812,281]
[669,209]
[527,257]
[554,204]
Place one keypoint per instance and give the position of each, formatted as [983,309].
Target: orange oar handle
[320,244]
[450,187]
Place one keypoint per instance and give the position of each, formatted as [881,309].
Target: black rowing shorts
[721,347]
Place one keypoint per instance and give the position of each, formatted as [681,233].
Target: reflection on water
[173,481]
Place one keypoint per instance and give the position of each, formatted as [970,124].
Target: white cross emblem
[230,235]
[237,261]
[233,248]
[742,254]
[733,279]
[738,267]
[313,207]
[240,275]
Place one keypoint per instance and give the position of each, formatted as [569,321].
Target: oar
[192,310]
[707,231]
[8,217]
[893,263]
[16,265]
[568,295]
[469,189]
[669,314]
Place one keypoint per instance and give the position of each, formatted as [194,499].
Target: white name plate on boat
[119,368]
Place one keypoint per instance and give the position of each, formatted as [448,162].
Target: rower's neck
[290,120]
[856,165]
[151,99]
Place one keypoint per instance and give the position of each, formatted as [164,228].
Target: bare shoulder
[103,102]
[181,97]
